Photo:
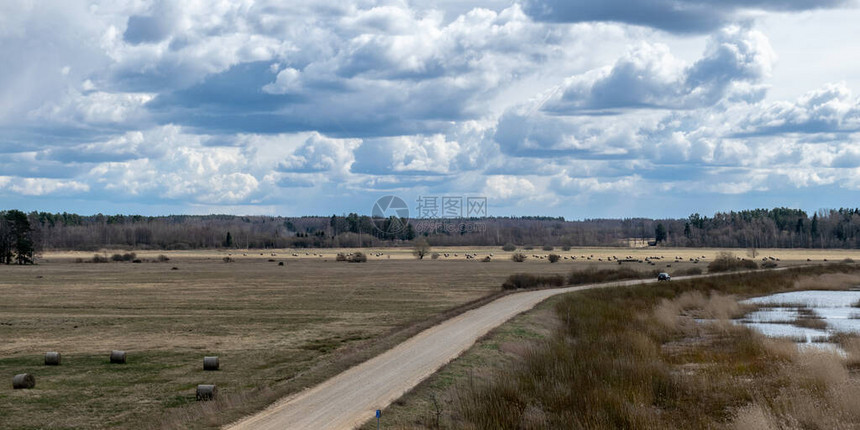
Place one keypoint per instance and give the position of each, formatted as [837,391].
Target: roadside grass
[589,275]
[592,275]
[636,357]
[433,403]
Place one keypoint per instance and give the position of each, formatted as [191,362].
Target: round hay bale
[210,363]
[117,357]
[23,381]
[206,392]
[52,358]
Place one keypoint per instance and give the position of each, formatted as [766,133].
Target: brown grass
[632,357]
[827,281]
[276,329]
[525,280]
[593,275]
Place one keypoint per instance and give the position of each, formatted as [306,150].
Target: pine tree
[16,243]
[813,229]
[660,233]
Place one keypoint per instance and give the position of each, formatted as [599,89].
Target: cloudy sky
[575,108]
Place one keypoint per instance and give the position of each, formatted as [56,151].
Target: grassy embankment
[634,357]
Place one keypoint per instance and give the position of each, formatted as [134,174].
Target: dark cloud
[234,101]
[145,29]
[676,16]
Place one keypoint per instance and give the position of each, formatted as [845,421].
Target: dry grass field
[268,323]
[636,357]
[276,328]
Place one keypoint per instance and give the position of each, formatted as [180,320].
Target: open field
[788,256]
[268,323]
[276,328]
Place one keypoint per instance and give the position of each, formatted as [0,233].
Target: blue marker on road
[378,415]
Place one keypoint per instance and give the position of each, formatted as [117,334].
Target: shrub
[593,275]
[421,248]
[769,265]
[553,258]
[162,258]
[116,257]
[726,262]
[227,260]
[358,257]
[99,259]
[509,247]
[565,248]
[137,261]
[435,256]
[525,280]
[486,259]
[547,248]
[518,257]
[129,256]
[528,247]
[340,257]
[690,271]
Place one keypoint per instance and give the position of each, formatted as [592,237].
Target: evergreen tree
[813,229]
[16,238]
[660,233]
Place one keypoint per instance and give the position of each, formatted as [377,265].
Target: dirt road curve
[350,398]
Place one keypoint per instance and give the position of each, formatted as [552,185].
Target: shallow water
[781,310]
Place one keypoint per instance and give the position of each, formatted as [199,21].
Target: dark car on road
[663,277]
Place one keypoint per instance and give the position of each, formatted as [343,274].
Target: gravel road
[349,399]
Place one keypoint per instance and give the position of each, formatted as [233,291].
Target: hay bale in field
[52,358]
[23,381]
[206,392]
[210,363]
[117,357]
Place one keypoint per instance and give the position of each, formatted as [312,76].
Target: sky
[573,108]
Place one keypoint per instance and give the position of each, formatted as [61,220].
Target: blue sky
[573,108]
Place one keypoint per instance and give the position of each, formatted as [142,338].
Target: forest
[23,233]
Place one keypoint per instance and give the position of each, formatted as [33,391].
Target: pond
[807,317]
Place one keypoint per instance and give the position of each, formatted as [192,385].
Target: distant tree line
[21,234]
